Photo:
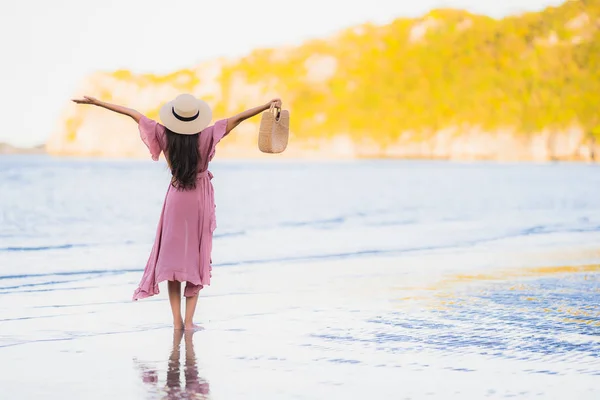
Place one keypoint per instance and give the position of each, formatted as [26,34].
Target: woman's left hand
[275,103]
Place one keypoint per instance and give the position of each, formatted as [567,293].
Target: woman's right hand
[86,100]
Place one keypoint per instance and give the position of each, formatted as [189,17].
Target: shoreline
[448,322]
[260,157]
[16,151]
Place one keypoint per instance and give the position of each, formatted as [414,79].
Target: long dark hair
[183,157]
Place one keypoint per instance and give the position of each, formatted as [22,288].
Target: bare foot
[178,325]
[193,327]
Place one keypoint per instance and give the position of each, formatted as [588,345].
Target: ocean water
[390,279]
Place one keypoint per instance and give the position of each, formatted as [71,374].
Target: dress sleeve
[153,136]
[219,131]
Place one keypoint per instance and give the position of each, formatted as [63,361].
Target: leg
[190,309]
[175,299]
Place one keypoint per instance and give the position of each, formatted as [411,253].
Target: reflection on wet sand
[445,289]
[195,386]
[504,275]
[544,317]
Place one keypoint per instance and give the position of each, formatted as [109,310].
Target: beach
[388,279]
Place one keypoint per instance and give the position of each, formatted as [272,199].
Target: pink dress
[183,244]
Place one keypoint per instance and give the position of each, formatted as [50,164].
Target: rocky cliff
[449,85]
[6,148]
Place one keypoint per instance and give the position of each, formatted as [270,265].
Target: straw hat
[186,115]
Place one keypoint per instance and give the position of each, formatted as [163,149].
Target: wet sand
[439,325]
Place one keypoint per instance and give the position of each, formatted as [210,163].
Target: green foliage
[528,73]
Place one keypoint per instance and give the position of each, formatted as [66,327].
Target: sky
[48,47]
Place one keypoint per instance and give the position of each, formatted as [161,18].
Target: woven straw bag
[274,130]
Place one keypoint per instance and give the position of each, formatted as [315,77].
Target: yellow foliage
[530,72]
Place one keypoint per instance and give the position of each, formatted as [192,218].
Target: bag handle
[276,114]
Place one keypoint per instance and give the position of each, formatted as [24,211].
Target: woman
[183,244]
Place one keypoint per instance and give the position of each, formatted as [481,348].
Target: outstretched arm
[234,121]
[112,107]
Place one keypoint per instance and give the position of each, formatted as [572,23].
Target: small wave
[4,288]
[71,273]
[41,248]
[394,223]
[306,258]
[541,229]
[229,234]
[45,290]
[338,220]
[532,231]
